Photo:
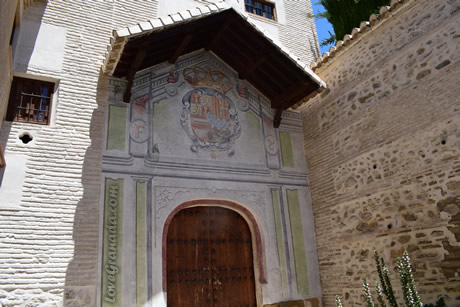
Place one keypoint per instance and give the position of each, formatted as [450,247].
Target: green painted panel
[161,115]
[253,130]
[254,122]
[300,258]
[116,132]
[141,250]
[113,237]
[286,149]
[280,240]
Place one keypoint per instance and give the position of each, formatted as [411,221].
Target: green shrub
[385,288]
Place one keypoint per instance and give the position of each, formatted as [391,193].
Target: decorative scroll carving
[164,196]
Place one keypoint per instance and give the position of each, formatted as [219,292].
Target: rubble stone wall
[382,145]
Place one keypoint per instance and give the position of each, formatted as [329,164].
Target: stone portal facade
[195,134]
[382,147]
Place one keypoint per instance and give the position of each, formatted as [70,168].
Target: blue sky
[322,26]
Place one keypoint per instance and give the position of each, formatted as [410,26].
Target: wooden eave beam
[217,36]
[293,90]
[271,80]
[232,54]
[277,119]
[261,57]
[181,48]
[244,37]
[140,55]
[285,71]
[286,97]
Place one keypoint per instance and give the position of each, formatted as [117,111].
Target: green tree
[344,15]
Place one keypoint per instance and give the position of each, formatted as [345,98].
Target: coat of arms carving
[209,117]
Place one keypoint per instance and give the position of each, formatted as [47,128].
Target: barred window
[30,101]
[261,8]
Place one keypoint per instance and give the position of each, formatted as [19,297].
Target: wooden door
[209,259]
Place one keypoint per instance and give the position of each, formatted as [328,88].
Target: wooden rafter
[181,48]
[217,36]
[291,91]
[277,119]
[262,56]
[284,100]
[140,55]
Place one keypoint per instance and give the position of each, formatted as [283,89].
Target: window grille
[261,8]
[30,101]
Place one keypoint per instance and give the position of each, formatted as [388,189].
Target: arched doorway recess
[208,255]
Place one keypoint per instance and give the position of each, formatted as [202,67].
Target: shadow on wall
[26,34]
[5,132]
[314,48]
[24,53]
[10,28]
[15,137]
[82,277]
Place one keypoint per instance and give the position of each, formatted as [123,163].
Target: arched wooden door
[209,259]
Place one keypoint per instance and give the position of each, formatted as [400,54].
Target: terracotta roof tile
[167,20]
[213,7]
[364,26]
[221,5]
[146,26]
[338,45]
[204,10]
[176,17]
[384,10]
[156,23]
[373,19]
[185,15]
[346,39]
[195,12]
[135,29]
[123,32]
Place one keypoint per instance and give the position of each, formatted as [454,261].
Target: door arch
[208,255]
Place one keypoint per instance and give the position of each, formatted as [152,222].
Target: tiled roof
[120,37]
[349,39]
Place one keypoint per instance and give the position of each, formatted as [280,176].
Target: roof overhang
[243,45]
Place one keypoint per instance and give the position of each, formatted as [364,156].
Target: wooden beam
[293,90]
[217,36]
[284,69]
[270,80]
[277,119]
[285,100]
[261,57]
[180,49]
[140,55]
